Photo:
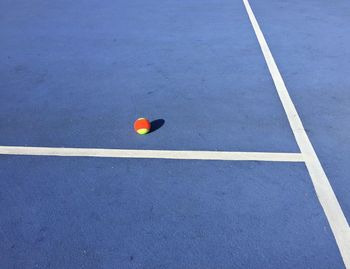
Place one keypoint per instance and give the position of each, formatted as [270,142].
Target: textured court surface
[77,74]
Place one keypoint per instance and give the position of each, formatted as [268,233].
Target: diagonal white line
[323,188]
[153,154]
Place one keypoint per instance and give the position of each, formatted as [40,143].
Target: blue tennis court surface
[82,78]
[249,167]
[161,214]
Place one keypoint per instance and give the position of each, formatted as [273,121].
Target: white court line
[155,154]
[323,188]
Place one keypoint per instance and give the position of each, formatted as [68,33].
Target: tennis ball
[142,126]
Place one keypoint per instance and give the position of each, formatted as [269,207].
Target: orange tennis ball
[142,126]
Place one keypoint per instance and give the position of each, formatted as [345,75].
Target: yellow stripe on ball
[142,131]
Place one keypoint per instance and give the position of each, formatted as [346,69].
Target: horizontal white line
[153,154]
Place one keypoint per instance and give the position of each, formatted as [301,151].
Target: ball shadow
[156,124]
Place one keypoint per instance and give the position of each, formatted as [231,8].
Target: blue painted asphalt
[120,213]
[311,45]
[81,73]
[76,74]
